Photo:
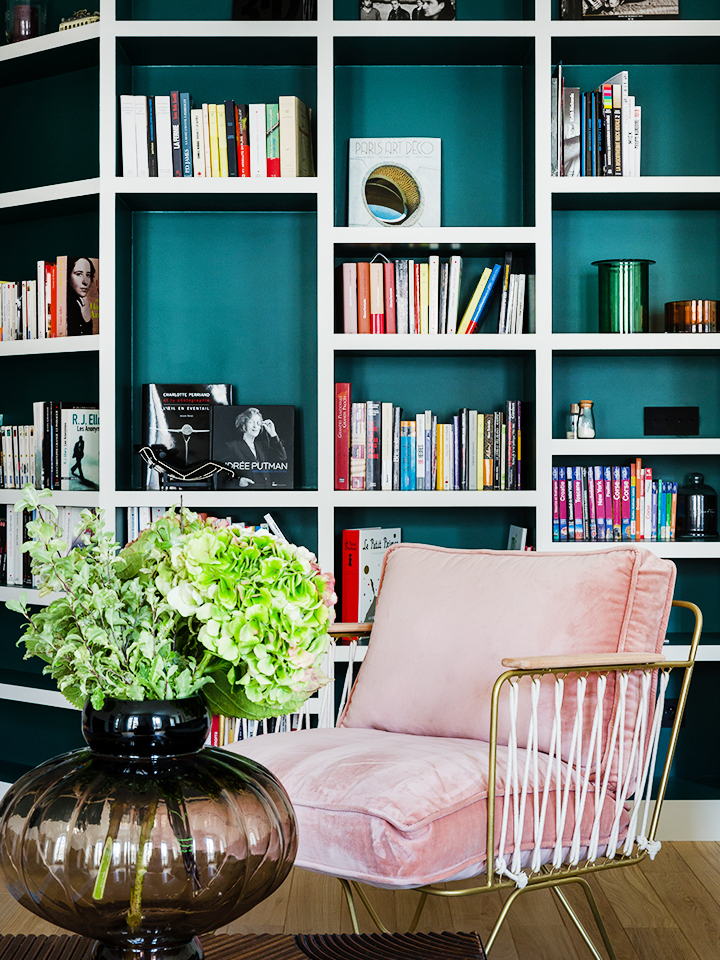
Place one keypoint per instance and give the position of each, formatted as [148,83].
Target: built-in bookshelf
[229,280]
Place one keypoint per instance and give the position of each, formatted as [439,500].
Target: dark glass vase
[145,840]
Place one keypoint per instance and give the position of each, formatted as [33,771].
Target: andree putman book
[258,443]
[176,424]
[394,182]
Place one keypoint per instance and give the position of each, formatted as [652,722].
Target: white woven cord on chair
[583,775]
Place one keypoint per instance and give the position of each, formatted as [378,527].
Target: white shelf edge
[442,499]
[48,345]
[68,190]
[665,446]
[607,29]
[214,29]
[32,596]
[61,498]
[50,41]
[668,549]
[235,500]
[483,29]
[213,186]
[706,653]
[641,342]
[432,342]
[45,698]
[624,185]
[452,237]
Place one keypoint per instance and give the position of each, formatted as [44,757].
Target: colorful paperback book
[556,503]
[578,514]
[358,437]
[570,488]
[625,503]
[394,182]
[342,436]
[80,448]
[600,502]
[589,473]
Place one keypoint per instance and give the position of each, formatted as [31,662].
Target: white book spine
[257,134]
[386,445]
[198,142]
[141,144]
[206,139]
[127,135]
[472,449]
[454,293]
[433,293]
[287,115]
[637,144]
[520,312]
[163,132]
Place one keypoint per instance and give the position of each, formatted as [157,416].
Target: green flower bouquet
[193,605]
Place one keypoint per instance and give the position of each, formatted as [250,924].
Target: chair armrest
[349,629]
[587,660]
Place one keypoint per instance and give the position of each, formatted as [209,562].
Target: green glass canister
[623,295]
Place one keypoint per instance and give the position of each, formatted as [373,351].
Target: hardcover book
[258,443]
[176,424]
[394,182]
[79,448]
[363,553]
[77,296]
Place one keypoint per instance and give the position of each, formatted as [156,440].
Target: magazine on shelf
[394,182]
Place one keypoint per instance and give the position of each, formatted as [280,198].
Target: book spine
[390,309]
[589,476]
[402,311]
[386,444]
[617,138]
[488,446]
[358,437]
[198,143]
[570,488]
[479,316]
[616,504]
[504,289]
[342,436]
[419,451]
[648,503]
[350,580]
[556,504]
[377,298]
[363,297]
[397,417]
[472,450]
[141,136]
[350,301]
[443,297]
[163,128]
[222,138]
[176,133]
[272,139]
[257,121]
[607,131]
[373,467]
[127,135]
[152,138]
[206,134]
[242,139]
[625,503]
[416,319]
[578,514]
[633,494]
[433,293]
[231,138]
[288,116]
[61,298]
[454,280]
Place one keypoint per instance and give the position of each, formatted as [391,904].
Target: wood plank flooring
[666,908]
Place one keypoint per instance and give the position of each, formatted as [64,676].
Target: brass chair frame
[554,879]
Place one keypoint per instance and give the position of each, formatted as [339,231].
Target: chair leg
[587,890]
[502,917]
[350,900]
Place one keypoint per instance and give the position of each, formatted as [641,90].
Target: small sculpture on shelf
[81,18]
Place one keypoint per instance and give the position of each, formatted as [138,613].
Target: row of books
[596,133]
[59,450]
[167,136]
[14,563]
[423,296]
[612,503]
[376,449]
[138,519]
[60,301]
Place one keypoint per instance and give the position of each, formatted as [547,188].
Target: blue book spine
[673,510]
[412,456]
[662,510]
[404,458]
[186,135]
[655,510]
[475,323]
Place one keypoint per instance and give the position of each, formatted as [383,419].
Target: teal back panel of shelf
[475,110]
[177,10]
[677,100]
[215,83]
[620,386]
[51,130]
[697,581]
[443,384]
[684,243]
[26,239]
[229,298]
[24,380]
[45,732]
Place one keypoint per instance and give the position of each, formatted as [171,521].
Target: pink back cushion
[446,618]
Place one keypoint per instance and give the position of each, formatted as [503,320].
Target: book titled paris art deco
[394,182]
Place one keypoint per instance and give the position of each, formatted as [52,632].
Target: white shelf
[640,342]
[69,190]
[432,343]
[182,186]
[669,549]
[442,499]
[638,447]
[61,498]
[46,345]
[50,42]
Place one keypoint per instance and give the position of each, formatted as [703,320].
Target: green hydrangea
[194,604]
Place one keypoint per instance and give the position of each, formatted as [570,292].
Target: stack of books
[596,133]
[15,564]
[377,449]
[167,136]
[423,296]
[612,503]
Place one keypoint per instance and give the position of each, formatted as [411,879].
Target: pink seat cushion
[446,618]
[394,809]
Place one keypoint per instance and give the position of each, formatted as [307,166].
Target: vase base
[192,950]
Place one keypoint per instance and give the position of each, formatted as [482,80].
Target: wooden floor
[667,909]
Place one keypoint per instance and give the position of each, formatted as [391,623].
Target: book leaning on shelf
[472,451]
[423,296]
[597,133]
[62,300]
[168,136]
[612,503]
[363,552]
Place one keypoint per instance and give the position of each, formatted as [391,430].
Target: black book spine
[152,138]
[176,133]
[231,138]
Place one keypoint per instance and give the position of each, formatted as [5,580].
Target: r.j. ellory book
[257,442]
[176,424]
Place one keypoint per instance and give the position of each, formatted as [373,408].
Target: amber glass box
[690,316]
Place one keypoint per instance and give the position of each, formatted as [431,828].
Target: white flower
[185,599]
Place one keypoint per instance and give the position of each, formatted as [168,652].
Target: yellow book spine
[467,316]
[222,139]
[212,122]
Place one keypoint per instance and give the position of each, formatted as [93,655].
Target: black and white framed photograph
[407,10]
[622,9]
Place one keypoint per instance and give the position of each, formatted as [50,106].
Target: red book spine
[241,139]
[53,302]
[390,316]
[342,436]
[363,282]
[215,731]
[350,576]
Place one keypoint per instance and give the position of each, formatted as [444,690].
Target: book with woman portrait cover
[77,309]
[176,425]
[257,443]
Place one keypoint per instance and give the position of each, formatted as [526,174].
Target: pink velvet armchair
[509,704]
